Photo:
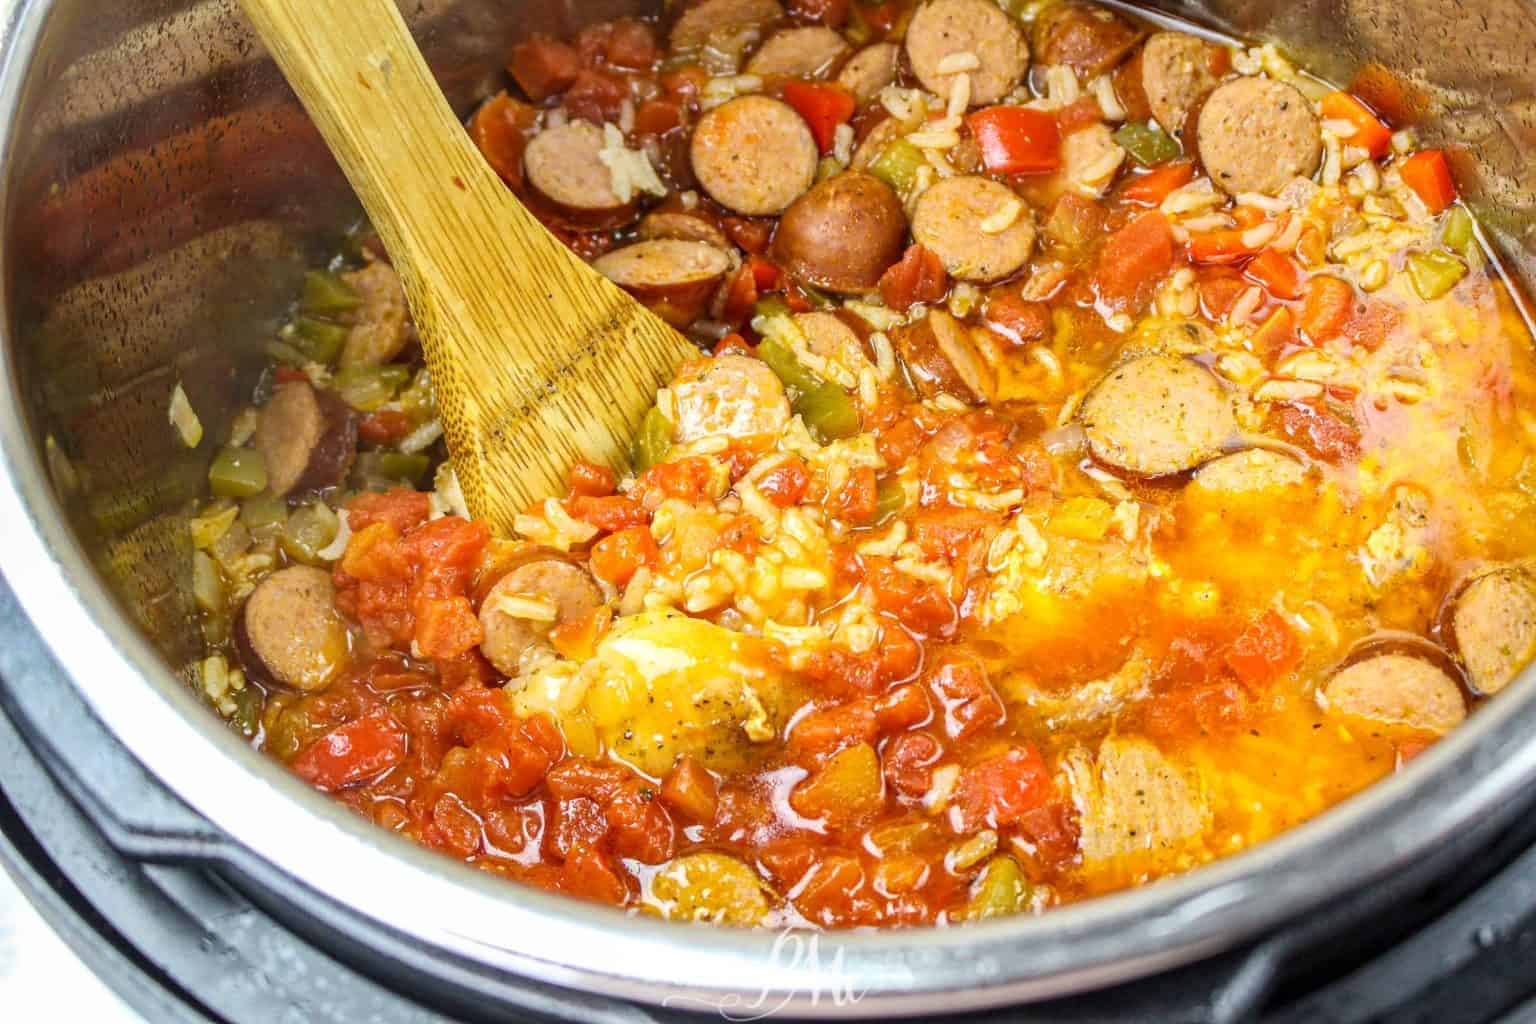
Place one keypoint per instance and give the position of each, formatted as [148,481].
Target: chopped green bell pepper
[897,164]
[652,440]
[326,294]
[1435,272]
[1146,142]
[237,473]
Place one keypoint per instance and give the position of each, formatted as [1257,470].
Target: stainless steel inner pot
[161,193]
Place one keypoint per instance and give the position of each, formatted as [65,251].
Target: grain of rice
[1404,141]
[941,789]
[1313,365]
[1260,235]
[939,163]
[842,144]
[1287,390]
[1061,85]
[1259,201]
[944,139]
[1048,359]
[1405,391]
[1103,90]
[885,354]
[1286,240]
[627,115]
[533,607]
[689,199]
[1374,275]
[1339,128]
[887,545]
[1207,222]
[955,63]
[184,418]
[1246,305]
[959,97]
[1002,218]
[422,438]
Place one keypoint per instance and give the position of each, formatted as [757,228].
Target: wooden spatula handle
[536,360]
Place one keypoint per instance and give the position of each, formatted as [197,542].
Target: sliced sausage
[811,51]
[842,234]
[1494,624]
[529,601]
[685,227]
[307,438]
[1254,471]
[381,329]
[698,23]
[673,278]
[1157,415]
[1257,135]
[949,220]
[952,28]
[941,358]
[564,168]
[830,338]
[1085,37]
[1397,689]
[754,155]
[1175,73]
[732,396]
[289,631]
[870,70]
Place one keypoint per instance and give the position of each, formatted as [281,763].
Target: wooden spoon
[537,359]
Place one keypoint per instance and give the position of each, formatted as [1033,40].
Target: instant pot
[161,192]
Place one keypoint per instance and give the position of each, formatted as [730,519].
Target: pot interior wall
[165,191]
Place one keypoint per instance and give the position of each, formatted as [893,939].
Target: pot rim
[1466,780]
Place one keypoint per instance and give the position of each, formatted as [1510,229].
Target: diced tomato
[909,760]
[657,117]
[855,502]
[401,508]
[824,105]
[1016,140]
[751,233]
[947,533]
[882,17]
[904,707]
[500,129]
[690,790]
[1079,114]
[786,483]
[732,344]
[1017,319]
[1328,303]
[827,730]
[1219,288]
[1134,262]
[384,426]
[919,276]
[446,627]
[764,273]
[899,654]
[543,67]
[1151,187]
[611,512]
[595,96]
[1224,245]
[578,638]
[592,480]
[632,45]
[1074,220]
[921,607]
[740,295]
[684,83]
[1266,649]
[1370,323]
[289,374]
[586,874]
[1276,333]
[969,701]
[1278,273]
[687,478]
[352,752]
[999,792]
[1428,174]
[1370,134]
[1320,431]
[618,556]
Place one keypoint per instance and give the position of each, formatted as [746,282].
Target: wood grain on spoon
[537,360]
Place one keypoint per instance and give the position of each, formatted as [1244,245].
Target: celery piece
[770,306]
[1002,889]
[790,370]
[652,440]
[326,294]
[248,702]
[1457,232]
[367,388]
[319,340]
[263,510]
[897,164]
[237,473]
[1435,272]
[890,499]
[1146,142]
[309,531]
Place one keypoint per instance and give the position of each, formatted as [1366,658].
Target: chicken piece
[1134,803]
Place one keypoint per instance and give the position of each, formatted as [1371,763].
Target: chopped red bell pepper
[1370,134]
[1133,263]
[823,105]
[1016,140]
[1151,188]
[352,752]
[543,67]
[1326,309]
[1429,176]
[1265,649]
[1278,273]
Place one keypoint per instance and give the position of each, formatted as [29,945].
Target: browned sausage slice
[380,330]
[1257,135]
[829,337]
[1397,689]
[672,277]
[870,70]
[289,631]
[1253,471]
[1157,415]
[1175,73]
[685,227]
[807,52]
[958,219]
[732,396]
[944,29]
[842,234]
[1495,628]
[307,438]
[564,167]
[697,24]
[1085,37]
[941,358]
[754,155]
[525,604]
